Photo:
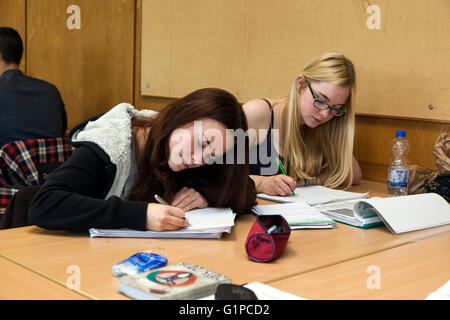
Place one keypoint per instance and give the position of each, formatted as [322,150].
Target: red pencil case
[263,245]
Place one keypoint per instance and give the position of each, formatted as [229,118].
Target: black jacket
[29,108]
[73,196]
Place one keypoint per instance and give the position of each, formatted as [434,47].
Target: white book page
[292,212]
[208,218]
[314,195]
[443,293]
[412,212]
[344,208]
[266,292]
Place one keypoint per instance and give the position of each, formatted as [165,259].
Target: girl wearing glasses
[125,157]
[310,132]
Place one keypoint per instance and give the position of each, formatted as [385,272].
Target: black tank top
[263,157]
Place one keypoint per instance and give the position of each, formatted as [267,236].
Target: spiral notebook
[207,223]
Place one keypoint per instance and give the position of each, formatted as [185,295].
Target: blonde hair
[327,148]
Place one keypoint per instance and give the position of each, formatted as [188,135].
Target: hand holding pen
[163,217]
[280,165]
[278,185]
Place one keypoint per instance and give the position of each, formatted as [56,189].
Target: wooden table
[18,282]
[411,271]
[52,252]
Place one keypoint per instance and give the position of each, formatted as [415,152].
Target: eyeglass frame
[340,111]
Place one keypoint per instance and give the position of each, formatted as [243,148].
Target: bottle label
[398,178]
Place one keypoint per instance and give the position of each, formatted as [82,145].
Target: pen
[162,201]
[283,171]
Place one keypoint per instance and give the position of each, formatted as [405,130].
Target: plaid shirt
[22,158]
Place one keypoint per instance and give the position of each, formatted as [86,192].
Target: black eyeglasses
[321,105]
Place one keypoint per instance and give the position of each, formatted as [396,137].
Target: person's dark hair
[222,184]
[11,46]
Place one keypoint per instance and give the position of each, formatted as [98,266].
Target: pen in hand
[280,165]
[162,201]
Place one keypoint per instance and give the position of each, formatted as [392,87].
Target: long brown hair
[223,185]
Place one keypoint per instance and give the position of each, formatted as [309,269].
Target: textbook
[399,214]
[207,223]
[346,212]
[315,195]
[176,282]
[299,215]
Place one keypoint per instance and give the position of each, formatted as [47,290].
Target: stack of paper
[208,223]
[314,195]
[299,215]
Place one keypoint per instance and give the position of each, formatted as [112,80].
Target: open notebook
[314,195]
[207,223]
[299,215]
[344,211]
[408,213]
[399,214]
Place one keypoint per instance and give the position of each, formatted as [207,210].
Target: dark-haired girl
[124,157]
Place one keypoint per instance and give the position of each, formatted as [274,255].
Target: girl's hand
[188,199]
[279,185]
[162,217]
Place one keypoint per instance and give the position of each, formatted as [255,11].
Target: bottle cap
[400,133]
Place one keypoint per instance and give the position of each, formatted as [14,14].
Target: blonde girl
[310,132]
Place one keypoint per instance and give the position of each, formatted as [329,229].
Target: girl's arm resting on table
[72,198]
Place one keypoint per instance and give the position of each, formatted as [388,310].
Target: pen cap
[262,246]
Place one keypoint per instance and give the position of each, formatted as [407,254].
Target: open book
[399,214]
[345,212]
[207,223]
[299,215]
[314,195]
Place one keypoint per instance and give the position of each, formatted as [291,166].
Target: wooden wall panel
[93,66]
[94,69]
[12,14]
[141,101]
[256,48]
[373,136]
[185,45]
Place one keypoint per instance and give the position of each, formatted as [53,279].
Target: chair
[26,163]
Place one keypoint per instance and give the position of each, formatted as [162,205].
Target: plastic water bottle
[397,182]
